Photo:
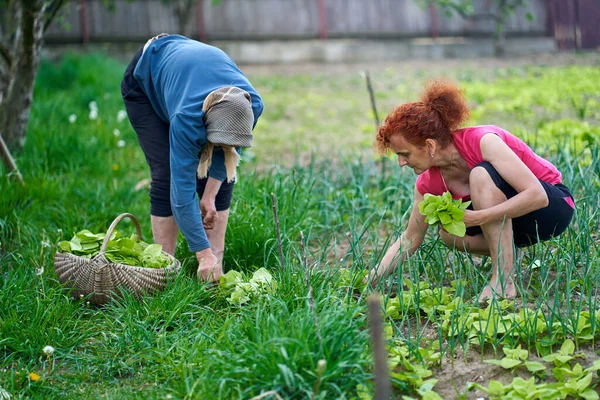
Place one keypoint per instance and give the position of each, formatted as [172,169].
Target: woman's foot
[506,290]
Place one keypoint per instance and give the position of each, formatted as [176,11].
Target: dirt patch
[456,372]
[438,66]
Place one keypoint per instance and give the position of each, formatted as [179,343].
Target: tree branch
[6,56]
[52,10]
[466,15]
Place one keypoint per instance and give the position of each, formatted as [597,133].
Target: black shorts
[153,135]
[541,224]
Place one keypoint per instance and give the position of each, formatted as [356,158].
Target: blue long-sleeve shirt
[177,74]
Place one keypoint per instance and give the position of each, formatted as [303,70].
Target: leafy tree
[22,27]
[498,13]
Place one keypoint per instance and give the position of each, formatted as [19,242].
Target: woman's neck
[451,160]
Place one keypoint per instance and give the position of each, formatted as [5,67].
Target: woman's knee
[160,195]
[480,177]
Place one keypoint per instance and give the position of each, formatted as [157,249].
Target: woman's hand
[209,213]
[474,218]
[207,203]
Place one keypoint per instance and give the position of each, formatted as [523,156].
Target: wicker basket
[104,279]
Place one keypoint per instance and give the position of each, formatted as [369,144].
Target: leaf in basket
[76,244]
[123,250]
[87,247]
[64,246]
[87,236]
[153,257]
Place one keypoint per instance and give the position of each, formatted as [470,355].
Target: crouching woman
[517,196]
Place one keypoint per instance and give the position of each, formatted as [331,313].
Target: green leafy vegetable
[119,249]
[446,211]
[234,285]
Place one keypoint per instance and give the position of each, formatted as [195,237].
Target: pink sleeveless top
[467,142]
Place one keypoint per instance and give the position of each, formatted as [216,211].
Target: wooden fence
[576,23]
[88,20]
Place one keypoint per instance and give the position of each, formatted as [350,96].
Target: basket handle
[114,224]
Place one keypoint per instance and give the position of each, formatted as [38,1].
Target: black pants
[153,135]
[541,224]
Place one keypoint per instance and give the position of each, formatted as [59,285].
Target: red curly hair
[442,109]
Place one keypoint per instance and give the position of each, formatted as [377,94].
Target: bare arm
[406,245]
[207,203]
[530,196]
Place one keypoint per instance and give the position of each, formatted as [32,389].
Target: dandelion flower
[93,114]
[117,132]
[121,143]
[72,118]
[115,167]
[34,377]
[39,271]
[121,115]
[48,350]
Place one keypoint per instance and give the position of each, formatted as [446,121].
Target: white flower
[93,106]
[72,118]
[46,243]
[121,115]
[321,365]
[93,114]
[116,132]
[39,271]
[121,143]
[3,393]
[48,350]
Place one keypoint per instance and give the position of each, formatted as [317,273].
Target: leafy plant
[443,209]
[240,291]
[562,356]
[517,357]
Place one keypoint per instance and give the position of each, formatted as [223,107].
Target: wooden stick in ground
[274,201]
[367,77]
[9,161]
[311,298]
[382,380]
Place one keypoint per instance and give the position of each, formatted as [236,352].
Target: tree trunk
[500,38]
[184,12]
[16,94]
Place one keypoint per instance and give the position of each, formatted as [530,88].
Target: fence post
[322,20]
[200,27]
[549,18]
[435,29]
[85,35]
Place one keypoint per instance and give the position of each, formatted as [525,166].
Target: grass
[189,342]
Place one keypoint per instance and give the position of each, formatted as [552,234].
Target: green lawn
[312,150]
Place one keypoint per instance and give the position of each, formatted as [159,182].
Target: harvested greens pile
[120,249]
[238,289]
